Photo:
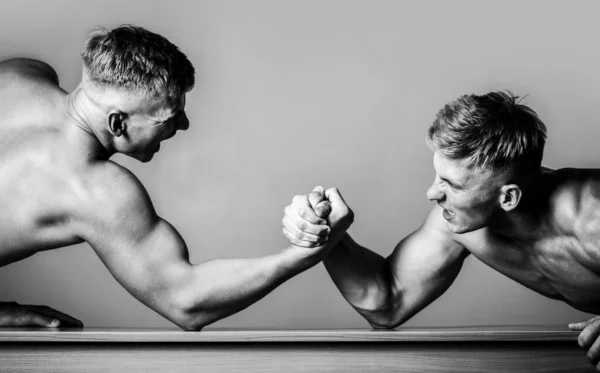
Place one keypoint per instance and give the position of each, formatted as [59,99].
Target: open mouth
[447,214]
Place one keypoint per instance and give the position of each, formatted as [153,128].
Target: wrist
[296,259]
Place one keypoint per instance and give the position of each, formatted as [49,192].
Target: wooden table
[472,349]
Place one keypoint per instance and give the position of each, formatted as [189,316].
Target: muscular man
[59,188]
[538,226]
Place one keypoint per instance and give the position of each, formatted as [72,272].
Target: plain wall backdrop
[294,94]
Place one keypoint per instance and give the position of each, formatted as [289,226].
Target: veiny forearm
[216,289]
[364,279]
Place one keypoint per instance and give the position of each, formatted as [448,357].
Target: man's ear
[116,123]
[510,196]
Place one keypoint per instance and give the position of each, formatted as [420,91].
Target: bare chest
[558,267]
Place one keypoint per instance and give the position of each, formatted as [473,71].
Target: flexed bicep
[423,266]
[143,252]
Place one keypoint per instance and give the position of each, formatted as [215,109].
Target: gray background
[339,93]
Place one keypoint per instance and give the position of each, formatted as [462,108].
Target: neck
[86,118]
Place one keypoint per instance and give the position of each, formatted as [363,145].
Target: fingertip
[581,341]
[54,323]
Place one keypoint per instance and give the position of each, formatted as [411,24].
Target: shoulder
[114,199]
[575,199]
[29,68]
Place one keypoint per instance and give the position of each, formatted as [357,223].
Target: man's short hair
[137,60]
[492,131]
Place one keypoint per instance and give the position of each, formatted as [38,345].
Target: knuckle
[302,212]
[302,226]
[316,194]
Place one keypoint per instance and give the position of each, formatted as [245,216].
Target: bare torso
[563,261]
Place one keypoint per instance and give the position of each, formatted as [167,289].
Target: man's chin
[461,229]
[144,158]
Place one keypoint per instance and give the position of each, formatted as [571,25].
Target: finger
[295,223]
[316,196]
[338,204]
[589,334]
[582,324]
[593,353]
[301,206]
[578,326]
[323,209]
[294,241]
[302,235]
[30,318]
[66,320]
[334,196]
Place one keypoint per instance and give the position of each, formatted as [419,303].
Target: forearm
[364,279]
[216,289]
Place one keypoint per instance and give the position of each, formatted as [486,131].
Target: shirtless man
[538,226]
[59,188]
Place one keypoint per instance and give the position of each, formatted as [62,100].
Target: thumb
[315,197]
[323,209]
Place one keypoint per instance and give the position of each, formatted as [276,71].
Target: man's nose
[183,123]
[435,193]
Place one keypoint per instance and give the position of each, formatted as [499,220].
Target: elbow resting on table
[386,320]
[191,314]
[385,309]
[188,320]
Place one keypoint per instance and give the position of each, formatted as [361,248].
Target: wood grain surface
[441,334]
[542,348]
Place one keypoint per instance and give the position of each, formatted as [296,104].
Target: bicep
[425,264]
[143,262]
[143,252]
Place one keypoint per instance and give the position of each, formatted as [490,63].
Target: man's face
[160,120]
[469,196]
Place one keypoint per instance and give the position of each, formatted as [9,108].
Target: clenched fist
[318,220]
